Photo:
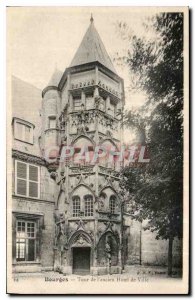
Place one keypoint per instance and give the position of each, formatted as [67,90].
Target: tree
[157,189]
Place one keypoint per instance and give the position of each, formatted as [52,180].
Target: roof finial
[91,19]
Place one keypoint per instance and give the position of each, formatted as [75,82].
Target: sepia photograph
[97,150]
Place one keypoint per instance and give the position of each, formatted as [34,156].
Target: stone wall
[142,247]
[25,206]
[154,252]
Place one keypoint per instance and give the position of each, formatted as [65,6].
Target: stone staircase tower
[86,104]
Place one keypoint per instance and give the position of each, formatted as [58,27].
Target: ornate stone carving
[81,224]
[53,175]
[109,226]
[109,171]
[108,250]
[107,121]
[91,233]
[59,226]
[82,84]
[59,217]
[28,158]
[52,167]
[79,169]
[109,134]
[101,203]
[108,88]
[88,117]
[81,241]
[108,183]
[82,132]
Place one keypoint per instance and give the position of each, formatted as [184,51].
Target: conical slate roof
[92,49]
[55,78]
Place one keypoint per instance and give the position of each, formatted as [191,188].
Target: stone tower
[83,109]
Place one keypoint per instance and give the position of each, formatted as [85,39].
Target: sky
[41,39]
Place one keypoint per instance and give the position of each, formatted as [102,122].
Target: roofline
[87,67]
[47,88]
[23,121]
[82,68]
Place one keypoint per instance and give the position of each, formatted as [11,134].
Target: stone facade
[32,248]
[85,107]
[74,221]
[142,248]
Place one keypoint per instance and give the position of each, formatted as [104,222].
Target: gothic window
[52,122]
[82,202]
[27,182]
[112,204]
[77,103]
[88,206]
[23,131]
[76,206]
[25,240]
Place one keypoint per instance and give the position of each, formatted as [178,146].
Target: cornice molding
[87,67]
[28,158]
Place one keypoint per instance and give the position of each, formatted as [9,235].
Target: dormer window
[23,131]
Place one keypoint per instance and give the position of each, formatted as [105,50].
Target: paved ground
[130,271]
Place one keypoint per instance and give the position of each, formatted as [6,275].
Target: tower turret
[50,115]
[88,205]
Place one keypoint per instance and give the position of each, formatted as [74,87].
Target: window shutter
[33,189]
[21,170]
[21,183]
[21,187]
[33,173]
[33,181]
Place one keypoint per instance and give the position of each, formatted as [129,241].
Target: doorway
[81,260]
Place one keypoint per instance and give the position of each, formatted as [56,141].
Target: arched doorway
[81,253]
[81,260]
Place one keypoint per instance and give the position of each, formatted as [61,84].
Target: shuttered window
[27,181]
